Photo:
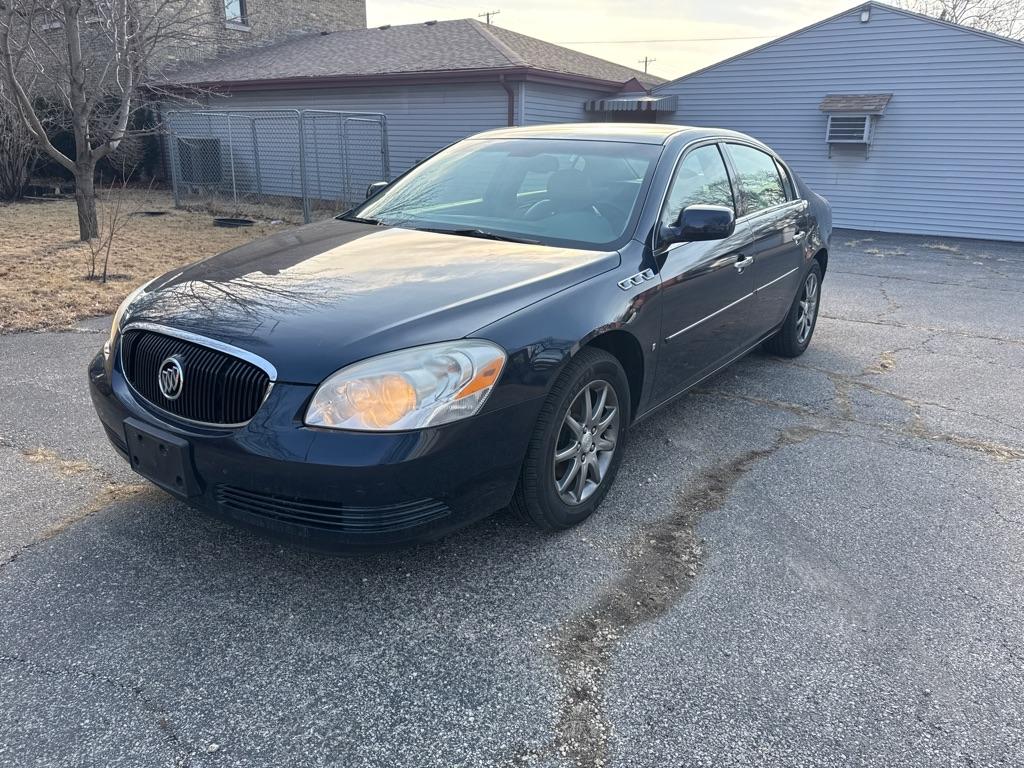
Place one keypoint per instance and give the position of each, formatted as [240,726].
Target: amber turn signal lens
[484,378]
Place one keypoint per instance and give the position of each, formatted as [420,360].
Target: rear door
[707,314]
[776,222]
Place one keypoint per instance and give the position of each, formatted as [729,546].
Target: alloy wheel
[586,442]
[808,309]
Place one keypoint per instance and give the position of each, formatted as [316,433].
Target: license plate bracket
[161,458]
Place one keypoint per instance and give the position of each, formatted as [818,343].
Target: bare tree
[1002,17]
[88,60]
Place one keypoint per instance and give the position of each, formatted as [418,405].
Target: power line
[645,61]
[672,40]
[487,15]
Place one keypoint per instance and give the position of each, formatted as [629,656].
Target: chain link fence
[271,162]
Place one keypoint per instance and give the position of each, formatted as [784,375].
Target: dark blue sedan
[480,333]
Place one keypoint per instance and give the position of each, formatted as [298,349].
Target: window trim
[787,180]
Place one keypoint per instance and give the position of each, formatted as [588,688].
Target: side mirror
[700,222]
[374,188]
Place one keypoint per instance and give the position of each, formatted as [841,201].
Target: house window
[236,12]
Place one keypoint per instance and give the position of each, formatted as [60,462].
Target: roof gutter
[446,77]
[510,91]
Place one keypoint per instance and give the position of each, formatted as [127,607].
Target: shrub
[17,151]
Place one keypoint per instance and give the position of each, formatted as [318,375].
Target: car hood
[313,299]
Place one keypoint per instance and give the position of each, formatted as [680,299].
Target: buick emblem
[171,377]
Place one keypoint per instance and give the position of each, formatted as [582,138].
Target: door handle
[743,262]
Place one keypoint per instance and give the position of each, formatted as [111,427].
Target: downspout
[510,91]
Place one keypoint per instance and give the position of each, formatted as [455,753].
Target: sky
[681,35]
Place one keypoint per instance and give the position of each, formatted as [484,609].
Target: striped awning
[633,104]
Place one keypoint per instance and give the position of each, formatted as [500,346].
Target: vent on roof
[384,26]
[430,23]
[849,129]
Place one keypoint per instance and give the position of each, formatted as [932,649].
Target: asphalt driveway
[804,563]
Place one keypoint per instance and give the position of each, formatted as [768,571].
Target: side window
[701,179]
[760,183]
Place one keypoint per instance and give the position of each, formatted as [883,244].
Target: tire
[796,332]
[536,498]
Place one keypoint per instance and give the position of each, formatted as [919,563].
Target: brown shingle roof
[442,47]
[864,103]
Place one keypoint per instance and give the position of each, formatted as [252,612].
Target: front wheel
[576,447]
[795,334]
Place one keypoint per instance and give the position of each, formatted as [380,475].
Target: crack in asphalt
[161,715]
[894,306]
[661,563]
[918,427]
[110,494]
[963,284]
[64,466]
[926,328]
[785,405]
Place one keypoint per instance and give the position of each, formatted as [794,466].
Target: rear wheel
[576,448]
[795,334]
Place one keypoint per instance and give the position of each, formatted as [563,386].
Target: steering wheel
[538,210]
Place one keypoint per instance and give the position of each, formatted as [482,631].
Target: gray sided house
[435,82]
[906,123]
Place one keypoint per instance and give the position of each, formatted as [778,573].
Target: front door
[707,290]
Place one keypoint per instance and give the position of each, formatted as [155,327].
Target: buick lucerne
[480,333]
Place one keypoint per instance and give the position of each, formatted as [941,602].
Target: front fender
[541,338]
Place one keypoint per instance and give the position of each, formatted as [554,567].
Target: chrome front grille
[216,388]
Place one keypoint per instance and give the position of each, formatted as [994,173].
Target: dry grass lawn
[44,268]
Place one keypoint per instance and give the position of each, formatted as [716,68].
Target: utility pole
[488,15]
[645,61]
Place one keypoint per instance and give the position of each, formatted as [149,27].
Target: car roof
[638,133]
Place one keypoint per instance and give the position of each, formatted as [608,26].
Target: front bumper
[335,490]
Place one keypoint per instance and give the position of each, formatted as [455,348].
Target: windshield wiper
[480,233]
[360,220]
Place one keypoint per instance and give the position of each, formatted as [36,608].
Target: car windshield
[573,193]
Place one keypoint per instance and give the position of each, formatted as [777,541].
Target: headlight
[410,389]
[115,326]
